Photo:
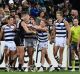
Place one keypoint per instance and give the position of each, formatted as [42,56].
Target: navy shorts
[19,41]
[73,46]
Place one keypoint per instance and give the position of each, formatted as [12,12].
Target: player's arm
[40,28]
[52,36]
[24,25]
[1,34]
[78,42]
[68,30]
[14,27]
[71,29]
[53,31]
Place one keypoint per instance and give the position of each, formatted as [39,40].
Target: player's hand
[78,49]
[68,43]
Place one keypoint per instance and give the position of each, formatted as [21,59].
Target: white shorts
[43,45]
[10,45]
[60,41]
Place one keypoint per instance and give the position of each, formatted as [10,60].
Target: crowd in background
[33,7]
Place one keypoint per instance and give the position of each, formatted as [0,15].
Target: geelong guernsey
[42,36]
[60,29]
[9,33]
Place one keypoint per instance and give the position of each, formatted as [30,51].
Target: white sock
[60,65]
[55,56]
[42,65]
[50,65]
[6,65]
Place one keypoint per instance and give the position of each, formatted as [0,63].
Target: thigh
[20,50]
[12,46]
[34,43]
[61,50]
[57,41]
[6,47]
[62,42]
[55,49]
[43,45]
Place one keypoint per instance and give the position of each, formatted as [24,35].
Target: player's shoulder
[65,21]
[4,26]
[55,21]
[72,28]
[12,26]
[79,26]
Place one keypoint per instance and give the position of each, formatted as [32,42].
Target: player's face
[27,17]
[42,23]
[11,21]
[42,14]
[32,20]
[50,21]
[75,22]
[58,16]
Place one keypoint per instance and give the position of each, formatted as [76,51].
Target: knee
[61,58]
[42,51]
[72,52]
[7,53]
[30,51]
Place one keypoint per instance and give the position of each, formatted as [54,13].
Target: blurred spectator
[74,14]
[18,2]
[40,17]
[13,13]
[75,4]
[48,2]
[25,6]
[2,3]
[41,2]
[6,2]
[3,17]
[50,25]
[19,10]
[2,14]
[12,6]
[17,20]
[34,10]
[7,11]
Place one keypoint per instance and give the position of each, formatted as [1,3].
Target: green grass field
[59,72]
[40,72]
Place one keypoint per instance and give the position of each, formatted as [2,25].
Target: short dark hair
[76,19]
[10,17]
[24,13]
[59,12]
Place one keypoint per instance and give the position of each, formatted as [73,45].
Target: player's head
[32,20]
[10,20]
[59,14]
[42,14]
[43,23]
[25,16]
[75,21]
[50,21]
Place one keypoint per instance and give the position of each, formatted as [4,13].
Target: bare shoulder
[55,21]
[65,22]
